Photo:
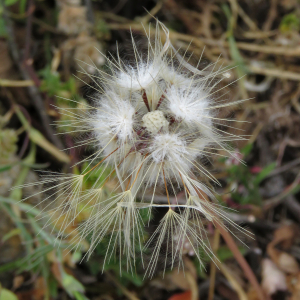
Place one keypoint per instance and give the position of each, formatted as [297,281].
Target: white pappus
[152,121]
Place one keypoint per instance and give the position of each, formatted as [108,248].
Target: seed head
[153,122]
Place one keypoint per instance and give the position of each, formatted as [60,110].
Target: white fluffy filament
[152,122]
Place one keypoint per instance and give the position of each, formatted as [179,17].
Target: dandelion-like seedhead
[152,123]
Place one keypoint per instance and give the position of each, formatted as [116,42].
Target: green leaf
[53,287]
[34,259]
[3,31]
[264,173]
[25,164]
[5,168]
[236,56]
[10,2]
[10,234]
[22,6]
[71,285]
[225,253]
[11,266]
[53,85]
[80,296]
[25,234]
[247,149]
[35,166]
[289,23]
[7,295]
[23,206]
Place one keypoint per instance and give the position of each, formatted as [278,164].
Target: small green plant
[53,86]
[290,22]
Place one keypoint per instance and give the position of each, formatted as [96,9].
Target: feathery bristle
[152,122]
